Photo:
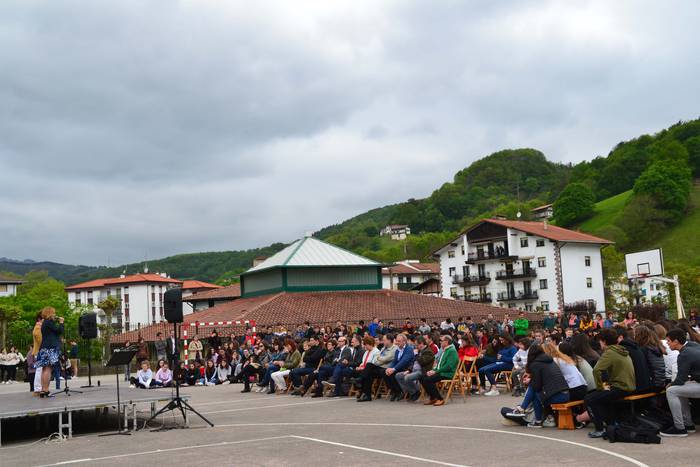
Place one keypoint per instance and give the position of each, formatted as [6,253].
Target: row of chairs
[462,382]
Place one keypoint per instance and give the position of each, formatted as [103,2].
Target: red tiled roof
[293,308]
[194,284]
[549,231]
[131,279]
[230,292]
[413,268]
[350,306]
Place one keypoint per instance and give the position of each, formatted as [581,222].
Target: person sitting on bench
[619,382]
[144,377]
[686,385]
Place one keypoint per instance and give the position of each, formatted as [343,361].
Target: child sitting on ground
[164,376]
[144,377]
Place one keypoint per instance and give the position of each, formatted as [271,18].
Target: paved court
[257,429]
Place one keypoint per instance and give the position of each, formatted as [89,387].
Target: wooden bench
[565,414]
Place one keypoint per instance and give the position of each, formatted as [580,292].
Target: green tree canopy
[574,204]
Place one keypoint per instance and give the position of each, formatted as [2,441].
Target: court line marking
[379,451]
[277,405]
[158,451]
[446,427]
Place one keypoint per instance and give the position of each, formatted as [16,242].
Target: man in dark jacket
[641,369]
[310,362]
[686,385]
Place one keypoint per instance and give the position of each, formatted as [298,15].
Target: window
[153,296]
[450,253]
[3,287]
[541,262]
[589,282]
[545,306]
[511,305]
[540,242]
[587,260]
[453,291]
[523,243]
[462,250]
[452,272]
[543,283]
[465,271]
[528,307]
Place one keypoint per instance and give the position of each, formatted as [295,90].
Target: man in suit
[160,346]
[403,360]
[171,349]
[326,371]
[350,359]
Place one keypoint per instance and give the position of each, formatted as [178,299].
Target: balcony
[472,280]
[517,295]
[478,298]
[516,273]
[498,253]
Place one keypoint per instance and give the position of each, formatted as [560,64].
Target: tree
[109,307]
[641,220]
[669,183]
[8,313]
[690,286]
[574,204]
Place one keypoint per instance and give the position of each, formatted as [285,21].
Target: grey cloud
[153,128]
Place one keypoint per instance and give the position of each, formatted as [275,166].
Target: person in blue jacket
[403,360]
[504,362]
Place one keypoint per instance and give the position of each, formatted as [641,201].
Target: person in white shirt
[144,377]
[519,364]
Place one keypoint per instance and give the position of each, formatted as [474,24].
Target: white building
[406,275]
[141,296]
[525,265]
[543,212]
[8,286]
[648,290]
[396,231]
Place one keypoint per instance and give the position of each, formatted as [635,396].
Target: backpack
[626,432]
[654,418]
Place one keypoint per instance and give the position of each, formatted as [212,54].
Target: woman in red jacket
[467,348]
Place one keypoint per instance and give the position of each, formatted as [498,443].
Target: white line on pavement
[158,451]
[441,427]
[379,451]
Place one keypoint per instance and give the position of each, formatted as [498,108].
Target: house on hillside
[525,265]
[396,231]
[8,286]
[212,297]
[541,213]
[406,275]
[141,296]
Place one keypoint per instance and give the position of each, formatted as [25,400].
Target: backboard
[648,263]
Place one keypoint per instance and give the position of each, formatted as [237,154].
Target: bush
[574,204]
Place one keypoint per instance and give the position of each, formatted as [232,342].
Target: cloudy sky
[132,129]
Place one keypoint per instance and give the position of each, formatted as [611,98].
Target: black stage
[24,404]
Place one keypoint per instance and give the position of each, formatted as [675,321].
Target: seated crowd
[596,360]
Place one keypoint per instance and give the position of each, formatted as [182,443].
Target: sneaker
[549,422]
[492,392]
[674,432]
[596,434]
[131,386]
[579,425]
[516,412]
[534,424]
[690,429]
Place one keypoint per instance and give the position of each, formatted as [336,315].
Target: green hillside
[606,213]
[681,243]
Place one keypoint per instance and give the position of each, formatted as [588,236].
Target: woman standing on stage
[50,350]
[36,340]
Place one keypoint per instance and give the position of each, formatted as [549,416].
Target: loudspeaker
[87,326]
[172,305]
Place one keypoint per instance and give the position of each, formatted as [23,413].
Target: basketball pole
[677,288]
